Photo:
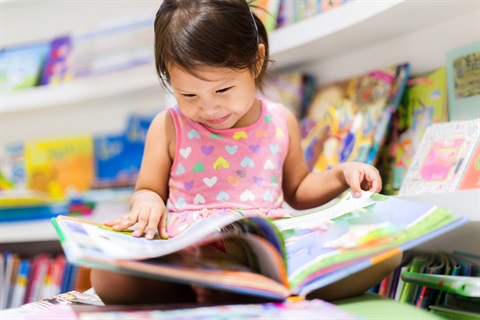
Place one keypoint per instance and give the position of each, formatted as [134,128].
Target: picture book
[451,313]
[442,158]
[118,157]
[352,117]
[87,306]
[59,165]
[267,12]
[21,205]
[294,90]
[462,285]
[274,259]
[463,80]
[112,45]
[12,167]
[471,177]
[305,309]
[423,103]
[57,68]
[21,66]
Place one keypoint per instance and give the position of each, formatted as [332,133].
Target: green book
[462,285]
[449,313]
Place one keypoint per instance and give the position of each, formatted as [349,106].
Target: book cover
[419,263]
[279,258]
[471,176]
[21,66]
[424,103]
[463,79]
[442,157]
[118,157]
[57,68]
[461,285]
[12,167]
[112,45]
[454,314]
[60,165]
[267,11]
[352,117]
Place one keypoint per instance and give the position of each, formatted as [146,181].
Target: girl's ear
[260,59]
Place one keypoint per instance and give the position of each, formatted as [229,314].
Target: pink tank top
[231,171]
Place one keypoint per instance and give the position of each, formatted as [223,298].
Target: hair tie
[254,23]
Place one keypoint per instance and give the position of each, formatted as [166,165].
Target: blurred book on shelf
[60,165]
[21,65]
[43,276]
[446,160]
[351,117]
[12,167]
[463,80]
[435,281]
[294,90]
[291,12]
[58,65]
[112,45]
[424,102]
[118,157]
[267,12]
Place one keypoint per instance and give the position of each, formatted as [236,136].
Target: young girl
[221,150]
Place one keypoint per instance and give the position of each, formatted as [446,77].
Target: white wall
[24,21]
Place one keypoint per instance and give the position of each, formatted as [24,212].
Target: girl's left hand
[361,176]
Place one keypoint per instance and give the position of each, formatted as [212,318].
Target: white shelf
[117,84]
[353,25]
[464,203]
[357,24]
[43,230]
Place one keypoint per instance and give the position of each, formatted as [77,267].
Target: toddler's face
[220,98]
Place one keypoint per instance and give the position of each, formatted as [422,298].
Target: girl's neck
[251,116]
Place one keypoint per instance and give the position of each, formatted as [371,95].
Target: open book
[257,256]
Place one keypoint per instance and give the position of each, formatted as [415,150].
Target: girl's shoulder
[279,109]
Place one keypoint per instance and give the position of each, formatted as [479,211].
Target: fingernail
[357,195]
[149,235]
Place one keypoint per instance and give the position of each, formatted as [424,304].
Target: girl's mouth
[218,120]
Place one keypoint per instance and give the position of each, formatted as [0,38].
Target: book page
[321,249]
[345,205]
[87,240]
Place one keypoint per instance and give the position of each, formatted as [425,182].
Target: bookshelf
[351,39]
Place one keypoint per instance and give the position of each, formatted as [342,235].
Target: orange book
[60,165]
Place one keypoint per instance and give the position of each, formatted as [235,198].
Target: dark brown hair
[215,33]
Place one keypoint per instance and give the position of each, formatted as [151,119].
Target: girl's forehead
[207,73]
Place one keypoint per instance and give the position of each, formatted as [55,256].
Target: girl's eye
[223,90]
[188,95]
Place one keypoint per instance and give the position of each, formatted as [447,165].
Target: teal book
[463,81]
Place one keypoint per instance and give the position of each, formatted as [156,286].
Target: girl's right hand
[147,212]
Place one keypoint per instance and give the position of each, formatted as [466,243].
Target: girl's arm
[304,189]
[151,190]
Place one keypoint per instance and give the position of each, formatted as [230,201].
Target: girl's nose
[211,107]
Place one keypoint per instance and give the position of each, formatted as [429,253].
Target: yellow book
[60,165]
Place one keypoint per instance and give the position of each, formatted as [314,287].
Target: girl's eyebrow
[225,83]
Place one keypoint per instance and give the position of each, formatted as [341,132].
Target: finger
[126,221]
[142,221]
[375,183]
[354,184]
[152,225]
[162,227]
